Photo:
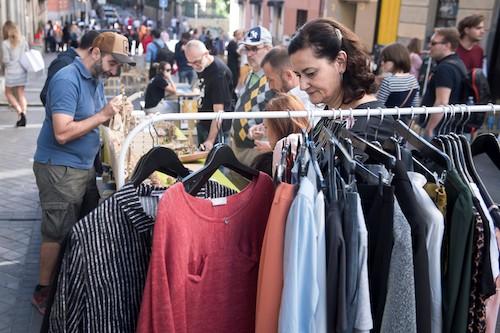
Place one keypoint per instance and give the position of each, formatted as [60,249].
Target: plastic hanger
[375,153]
[487,143]
[281,167]
[493,208]
[347,152]
[460,149]
[379,123]
[160,159]
[223,156]
[311,147]
[426,149]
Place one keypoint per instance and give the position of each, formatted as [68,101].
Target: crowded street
[272,166]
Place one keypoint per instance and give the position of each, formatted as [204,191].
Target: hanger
[311,147]
[349,164]
[493,208]
[370,149]
[411,116]
[379,123]
[223,155]
[280,174]
[422,146]
[460,150]
[391,145]
[160,159]
[448,148]
[426,114]
[443,121]
[462,125]
[487,143]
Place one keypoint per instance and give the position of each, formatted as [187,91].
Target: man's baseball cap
[256,36]
[114,44]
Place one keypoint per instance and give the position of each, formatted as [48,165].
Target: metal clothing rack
[335,114]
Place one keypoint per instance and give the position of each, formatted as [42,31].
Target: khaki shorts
[61,190]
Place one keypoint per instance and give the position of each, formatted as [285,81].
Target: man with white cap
[253,97]
[68,142]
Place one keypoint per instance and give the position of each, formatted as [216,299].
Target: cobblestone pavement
[19,223]
[20,212]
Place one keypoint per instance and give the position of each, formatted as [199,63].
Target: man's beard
[99,73]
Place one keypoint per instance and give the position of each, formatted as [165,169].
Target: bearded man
[68,142]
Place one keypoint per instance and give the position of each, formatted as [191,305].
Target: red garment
[472,58]
[145,42]
[203,270]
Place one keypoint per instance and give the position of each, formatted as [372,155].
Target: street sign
[163,3]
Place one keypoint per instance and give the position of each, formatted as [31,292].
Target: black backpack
[162,54]
[475,88]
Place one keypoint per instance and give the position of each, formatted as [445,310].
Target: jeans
[186,76]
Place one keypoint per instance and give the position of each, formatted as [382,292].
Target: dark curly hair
[321,36]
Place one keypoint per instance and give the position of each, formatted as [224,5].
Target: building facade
[27,14]
[281,17]
[68,10]
[358,15]
[418,18]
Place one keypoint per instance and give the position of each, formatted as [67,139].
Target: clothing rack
[335,114]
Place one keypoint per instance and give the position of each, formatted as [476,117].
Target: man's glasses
[252,49]
[435,43]
[196,62]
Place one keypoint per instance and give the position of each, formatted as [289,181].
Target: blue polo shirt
[72,91]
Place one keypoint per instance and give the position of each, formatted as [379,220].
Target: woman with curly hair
[16,77]
[334,68]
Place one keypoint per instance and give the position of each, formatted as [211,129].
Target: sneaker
[40,298]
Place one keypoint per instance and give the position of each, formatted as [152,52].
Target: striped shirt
[103,271]
[399,90]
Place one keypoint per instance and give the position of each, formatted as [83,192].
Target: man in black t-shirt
[446,83]
[216,91]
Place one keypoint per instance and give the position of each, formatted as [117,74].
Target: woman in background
[13,47]
[414,47]
[399,88]
[159,86]
[276,129]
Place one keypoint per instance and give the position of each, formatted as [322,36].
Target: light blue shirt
[303,300]
[75,92]
[152,49]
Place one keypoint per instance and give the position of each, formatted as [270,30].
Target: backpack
[475,88]
[162,54]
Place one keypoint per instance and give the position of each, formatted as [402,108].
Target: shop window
[301,18]
[447,13]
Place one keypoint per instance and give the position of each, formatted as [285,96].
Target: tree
[221,7]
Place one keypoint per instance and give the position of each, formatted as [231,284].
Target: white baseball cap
[256,36]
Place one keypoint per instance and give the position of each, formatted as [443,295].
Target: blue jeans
[186,76]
